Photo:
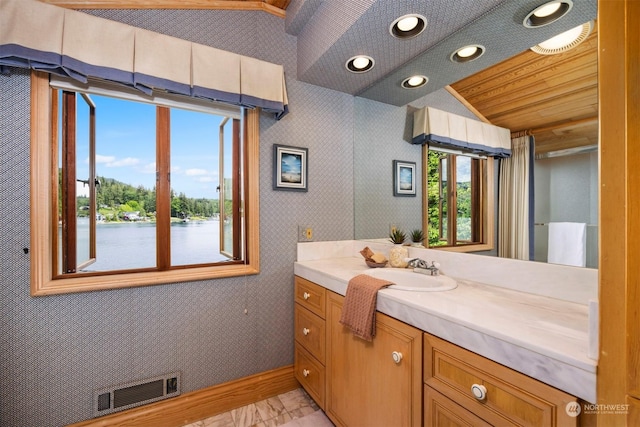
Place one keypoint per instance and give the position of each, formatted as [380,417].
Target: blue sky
[125,146]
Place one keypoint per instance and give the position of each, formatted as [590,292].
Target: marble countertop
[543,337]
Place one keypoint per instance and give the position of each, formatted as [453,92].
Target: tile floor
[292,407]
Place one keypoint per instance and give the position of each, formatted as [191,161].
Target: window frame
[486,212]
[43,215]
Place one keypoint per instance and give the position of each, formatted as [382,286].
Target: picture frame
[404,178]
[290,168]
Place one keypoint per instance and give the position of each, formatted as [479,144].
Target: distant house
[132,216]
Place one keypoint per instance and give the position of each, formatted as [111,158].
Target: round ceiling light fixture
[467,53]
[564,41]
[547,13]
[360,63]
[414,82]
[408,26]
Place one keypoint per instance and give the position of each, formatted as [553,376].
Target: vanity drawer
[310,296]
[442,411]
[310,373]
[310,332]
[511,397]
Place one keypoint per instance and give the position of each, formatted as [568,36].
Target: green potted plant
[398,254]
[397,236]
[417,236]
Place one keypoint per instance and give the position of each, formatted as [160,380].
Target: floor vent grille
[126,396]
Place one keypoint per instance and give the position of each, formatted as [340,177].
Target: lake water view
[128,245]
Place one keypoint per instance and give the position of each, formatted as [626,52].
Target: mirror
[565,169]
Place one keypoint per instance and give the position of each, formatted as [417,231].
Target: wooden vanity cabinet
[366,386]
[511,398]
[310,338]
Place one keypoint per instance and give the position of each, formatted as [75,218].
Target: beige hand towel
[359,309]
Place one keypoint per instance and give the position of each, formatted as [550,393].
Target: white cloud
[196,172]
[104,159]
[205,179]
[149,168]
[113,162]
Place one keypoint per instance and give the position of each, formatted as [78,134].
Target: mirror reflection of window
[455,185]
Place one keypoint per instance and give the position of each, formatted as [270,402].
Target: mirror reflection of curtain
[515,201]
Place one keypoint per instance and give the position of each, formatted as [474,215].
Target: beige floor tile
[220,420]
[270,408]
[294,399]
[246,416]
[278,421]
[302,411]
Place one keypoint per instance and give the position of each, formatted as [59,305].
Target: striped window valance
[449,131]
[70,43]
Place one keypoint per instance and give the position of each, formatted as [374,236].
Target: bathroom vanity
[474,355]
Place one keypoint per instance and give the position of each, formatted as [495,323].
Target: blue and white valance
[438,128]
[70,43]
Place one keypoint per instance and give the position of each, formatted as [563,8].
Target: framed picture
[289,168]
[404,178]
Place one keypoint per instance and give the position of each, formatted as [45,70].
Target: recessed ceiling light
[467,53]
[547,13]
[359,64]
[414,82]
[408,26]
[564,41]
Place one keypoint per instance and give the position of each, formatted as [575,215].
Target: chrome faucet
[433,268]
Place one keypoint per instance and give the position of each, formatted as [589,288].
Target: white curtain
[515,202]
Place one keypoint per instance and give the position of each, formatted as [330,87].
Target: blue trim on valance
[80,68]
[217,95]
[265,104]
[146,82]
[14,55]
[454,144]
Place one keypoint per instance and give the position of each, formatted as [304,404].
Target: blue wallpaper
[57,350]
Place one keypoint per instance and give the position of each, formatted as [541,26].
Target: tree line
[116,199]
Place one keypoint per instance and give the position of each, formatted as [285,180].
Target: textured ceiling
[332,31]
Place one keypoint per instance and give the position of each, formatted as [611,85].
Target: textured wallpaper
[56,350]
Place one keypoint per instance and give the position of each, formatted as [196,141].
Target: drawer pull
[306,295]
[479,391]
[305,331]
[397,356]
[305,373]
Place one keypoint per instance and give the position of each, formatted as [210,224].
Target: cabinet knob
[305,373]
[305,331]
[479,391]
[397,356]
[306,295]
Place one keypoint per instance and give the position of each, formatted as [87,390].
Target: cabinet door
[310,332]
[439,411]
[365,385]
[511,398]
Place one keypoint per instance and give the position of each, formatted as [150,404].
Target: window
[459,195]
[130,190]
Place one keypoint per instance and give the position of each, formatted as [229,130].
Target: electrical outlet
[392,228]
[305,233]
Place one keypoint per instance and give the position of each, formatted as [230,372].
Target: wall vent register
[130,395]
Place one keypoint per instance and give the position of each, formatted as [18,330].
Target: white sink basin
[408,280]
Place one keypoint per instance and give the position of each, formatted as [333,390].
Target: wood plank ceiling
[554,97]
